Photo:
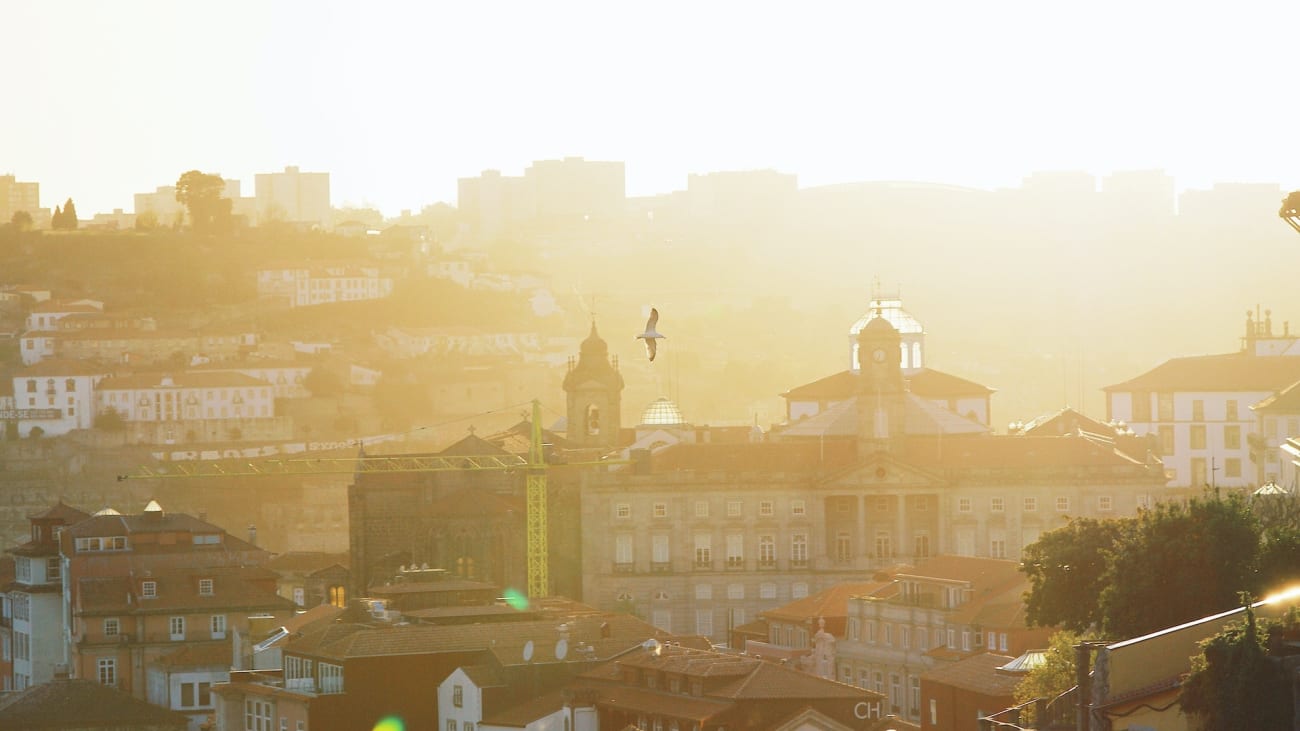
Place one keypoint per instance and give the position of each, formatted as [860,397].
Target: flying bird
[651,336]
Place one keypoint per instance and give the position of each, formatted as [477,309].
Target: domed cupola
[594,387]
[890,309]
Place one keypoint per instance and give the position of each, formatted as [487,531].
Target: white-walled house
[154,397]
[57,396]
[36,345]
[44,317]
[1202,411]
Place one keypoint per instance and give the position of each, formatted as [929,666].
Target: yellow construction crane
[1291,210]
[535,468]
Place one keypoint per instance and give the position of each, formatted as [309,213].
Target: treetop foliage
[1171,564]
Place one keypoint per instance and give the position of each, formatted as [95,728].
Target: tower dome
[889,309]
[594,346]
[662,412]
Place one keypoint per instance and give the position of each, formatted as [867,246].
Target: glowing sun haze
[397,100]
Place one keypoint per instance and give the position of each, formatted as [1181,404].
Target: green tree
[1180,561]
[323,381]
[1067,571]
[1055,675]
[22,220]
[201,194]
[56,221]
[146,221]
[70,222]
[1234,685]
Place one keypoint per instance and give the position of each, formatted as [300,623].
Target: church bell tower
[594,387]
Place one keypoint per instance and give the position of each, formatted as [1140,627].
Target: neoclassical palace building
[698,529]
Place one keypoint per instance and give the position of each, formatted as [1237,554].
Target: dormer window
[205,587]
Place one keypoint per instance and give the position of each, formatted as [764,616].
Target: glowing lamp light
[390,723]
[1282,596]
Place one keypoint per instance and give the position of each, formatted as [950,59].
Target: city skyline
[399,103]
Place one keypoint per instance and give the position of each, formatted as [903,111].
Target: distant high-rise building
[550,192]
[16,196]
[575,189]
[1139,194]
[1231,205]
[162,204]
[293,196]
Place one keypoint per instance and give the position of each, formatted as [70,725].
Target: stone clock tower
[880,388]
[594,387]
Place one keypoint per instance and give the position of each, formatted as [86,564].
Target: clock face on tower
[878,355]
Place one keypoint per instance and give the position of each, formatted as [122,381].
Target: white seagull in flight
[651,335]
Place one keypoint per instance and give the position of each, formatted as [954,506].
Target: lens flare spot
[516,600]
[390,723]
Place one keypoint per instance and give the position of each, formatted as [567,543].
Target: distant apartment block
[162,204]
[574,189]
[318,284]
[1231,205]
[16,196]
[293,197]
[550,192]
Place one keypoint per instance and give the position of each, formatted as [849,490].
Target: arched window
[338,596]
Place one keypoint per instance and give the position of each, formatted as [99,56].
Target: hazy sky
[398,100]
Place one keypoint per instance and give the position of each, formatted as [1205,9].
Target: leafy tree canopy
[1066,568]
[1178,562]
[201,194]
[1234,685]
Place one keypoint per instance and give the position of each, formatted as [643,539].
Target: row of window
[908,637]
[734,509]
[175,627]
[1165,408]
[703,549]
[23,569]
[1105,503]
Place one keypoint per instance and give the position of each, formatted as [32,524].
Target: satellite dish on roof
[561,649]
[528,651]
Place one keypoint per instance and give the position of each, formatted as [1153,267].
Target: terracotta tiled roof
[83,704]
[977,674]
[342,641]
[920,416]
[63,367]
[929,383]
[522,714]
[980,573]
[61,511]
[839,386]
[188,379]
[1230,372]
[644,700]
[830,602]
[1013,452]
[323,614]
[1287,401]
[770,680]
[787,457]
[926,383]
[305,562]
[1065,421]
[178,590]
[484,676]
